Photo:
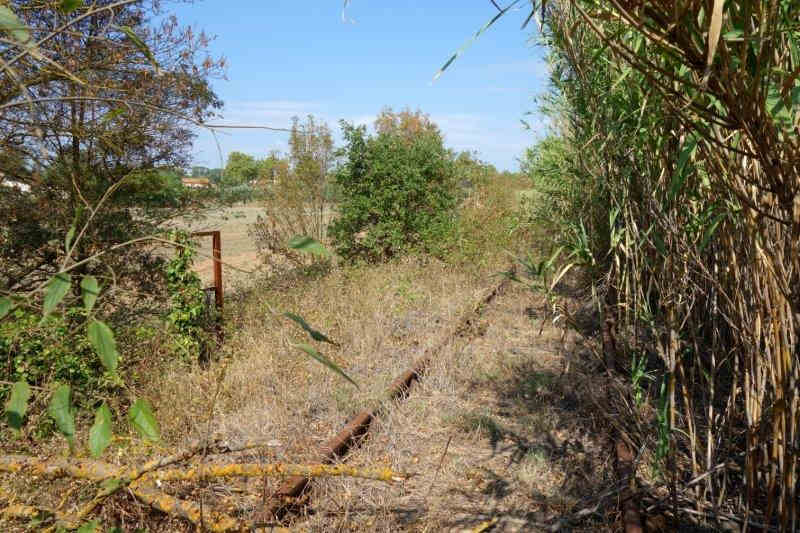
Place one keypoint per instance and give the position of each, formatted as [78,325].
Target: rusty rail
[290,495]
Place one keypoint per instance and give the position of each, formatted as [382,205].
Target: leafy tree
[397,189]
[108,101]
[471,171]
[97,104]
[297,203]
[240,169]
[406,123]
[272,169]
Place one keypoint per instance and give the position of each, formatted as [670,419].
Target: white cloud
[272,113]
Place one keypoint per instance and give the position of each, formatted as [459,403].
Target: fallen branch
[142,480]
[275,470]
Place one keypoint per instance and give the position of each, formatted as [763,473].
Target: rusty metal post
[217,253]
[216,245]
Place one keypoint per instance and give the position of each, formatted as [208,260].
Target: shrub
[188,316]
[42,352]
[397,193]
[300,196]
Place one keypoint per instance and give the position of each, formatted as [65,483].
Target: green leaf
[102,339]
[711,230]
[316,335]
[140,415]
[110,485]
[68,6]
[57,288]
[89,527]
[59,410]
[90,289]
[100,433]
[6,305]
[324,360]
[70,236]
[309,245]
[9,22]
[680,170]
[111,115]
[17,405]
[474,38]
[140,44]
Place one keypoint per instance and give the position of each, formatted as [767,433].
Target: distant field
[238,248]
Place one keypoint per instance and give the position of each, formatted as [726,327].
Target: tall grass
[678,127]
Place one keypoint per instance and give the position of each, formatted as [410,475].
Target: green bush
[41,353]
[397,192]
[188,317]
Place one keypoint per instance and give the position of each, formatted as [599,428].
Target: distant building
[196,183]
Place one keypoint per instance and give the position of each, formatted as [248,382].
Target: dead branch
[141,480]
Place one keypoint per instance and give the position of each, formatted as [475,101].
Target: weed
[639,374]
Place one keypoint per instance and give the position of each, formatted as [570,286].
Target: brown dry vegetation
[496,433]
[518,451]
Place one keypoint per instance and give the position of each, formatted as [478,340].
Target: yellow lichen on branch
[56,468]
[208,519]
[142,481]
[275,470]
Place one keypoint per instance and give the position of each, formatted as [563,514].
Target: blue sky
[289,58]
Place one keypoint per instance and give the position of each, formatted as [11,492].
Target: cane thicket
[677,147]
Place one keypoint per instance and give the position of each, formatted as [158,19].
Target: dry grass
[383,317]
[518,449]
[496,432]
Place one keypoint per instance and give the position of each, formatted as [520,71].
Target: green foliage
[639,375]
[188,316]
[672,170]
[153,188]
[308,245]
[490,220]
[472,172]
[234,194]
[61,411]
[57,288]
[312,352]
[17,405]
[141,417]
[398,192]
[297,203]
[102,340]
[241,169]
[100,432]
[39,352]
[214,175]
[316,335]
[90,290]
